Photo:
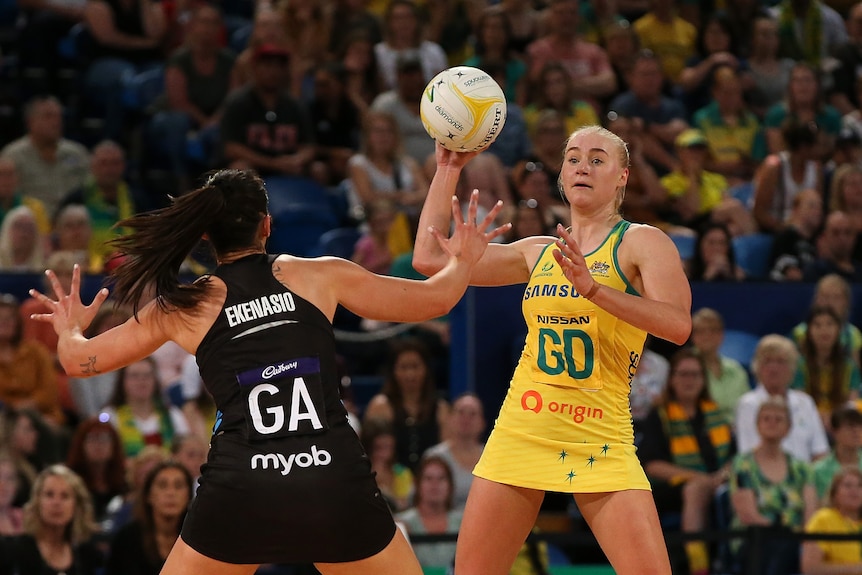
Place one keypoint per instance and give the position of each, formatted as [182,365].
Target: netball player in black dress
[286,480]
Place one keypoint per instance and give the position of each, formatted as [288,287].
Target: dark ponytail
[228,209]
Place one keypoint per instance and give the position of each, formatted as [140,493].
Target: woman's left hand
[469,239]
[68,312]
[572,261]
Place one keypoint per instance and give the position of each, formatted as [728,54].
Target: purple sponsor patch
[292,368]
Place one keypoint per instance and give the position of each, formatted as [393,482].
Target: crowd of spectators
[743,122]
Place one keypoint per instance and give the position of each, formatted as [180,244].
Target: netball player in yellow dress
[592,295]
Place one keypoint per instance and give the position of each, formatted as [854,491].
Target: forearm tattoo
[89,368]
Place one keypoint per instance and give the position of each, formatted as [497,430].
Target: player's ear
[267,225]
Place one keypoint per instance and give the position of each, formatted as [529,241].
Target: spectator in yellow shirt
[698,196]
[841,516]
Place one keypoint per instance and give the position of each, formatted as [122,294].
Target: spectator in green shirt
[846,449]
[727,379]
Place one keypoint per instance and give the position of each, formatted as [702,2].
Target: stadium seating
[141,90]
[739,345]
[752,253]
[338,242]
[301,213]
[685,245]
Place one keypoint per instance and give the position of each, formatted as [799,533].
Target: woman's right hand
[452,159]
[68,312]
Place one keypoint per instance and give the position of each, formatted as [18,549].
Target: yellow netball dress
[565,424]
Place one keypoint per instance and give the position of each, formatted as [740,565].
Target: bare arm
[81,357]
[667,133]
[655,152]
[664,308]
[286,164]
[744,504]
[667,471]
[416,195]
[153,19]
[600,85]
[176,89]
[328,282]
[501,264]
[764,190]
[361,183]
[813,562]
[809,498]
[100,23]
[654,191]
[774,140]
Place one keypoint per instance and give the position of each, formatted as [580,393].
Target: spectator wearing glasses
[774,366]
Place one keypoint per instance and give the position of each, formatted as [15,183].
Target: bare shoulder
[293,270]
[187,328]
[505,264]
[646,249]
[531,248]
[644,238]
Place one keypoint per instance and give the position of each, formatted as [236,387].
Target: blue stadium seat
[72,46]
[685,245]
[743,192]
[141,90]
[752,254]
[240,37]
[739,345]
[301,214]
[338,242]
[291,192]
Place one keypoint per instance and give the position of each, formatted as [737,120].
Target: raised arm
[501,264]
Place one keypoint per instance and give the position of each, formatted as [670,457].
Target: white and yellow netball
[463,108]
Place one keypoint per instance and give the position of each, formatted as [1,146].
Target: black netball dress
[286,479]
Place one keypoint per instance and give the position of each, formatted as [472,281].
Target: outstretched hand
[68,312]
[572,261]
[469,240]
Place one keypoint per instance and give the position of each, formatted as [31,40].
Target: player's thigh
[183,560]
[397,558]
[497,520]
[626,525]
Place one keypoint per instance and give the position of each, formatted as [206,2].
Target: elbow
[424,264]
[437,309]
[680,330]
[71,369]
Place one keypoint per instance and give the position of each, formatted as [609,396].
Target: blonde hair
[776,402]
[36,259]
[834,281]
[65,260]
[372,116]
[843,472]
[707,316]
[622,154]
[774,344]
[82,525]
[836,188]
